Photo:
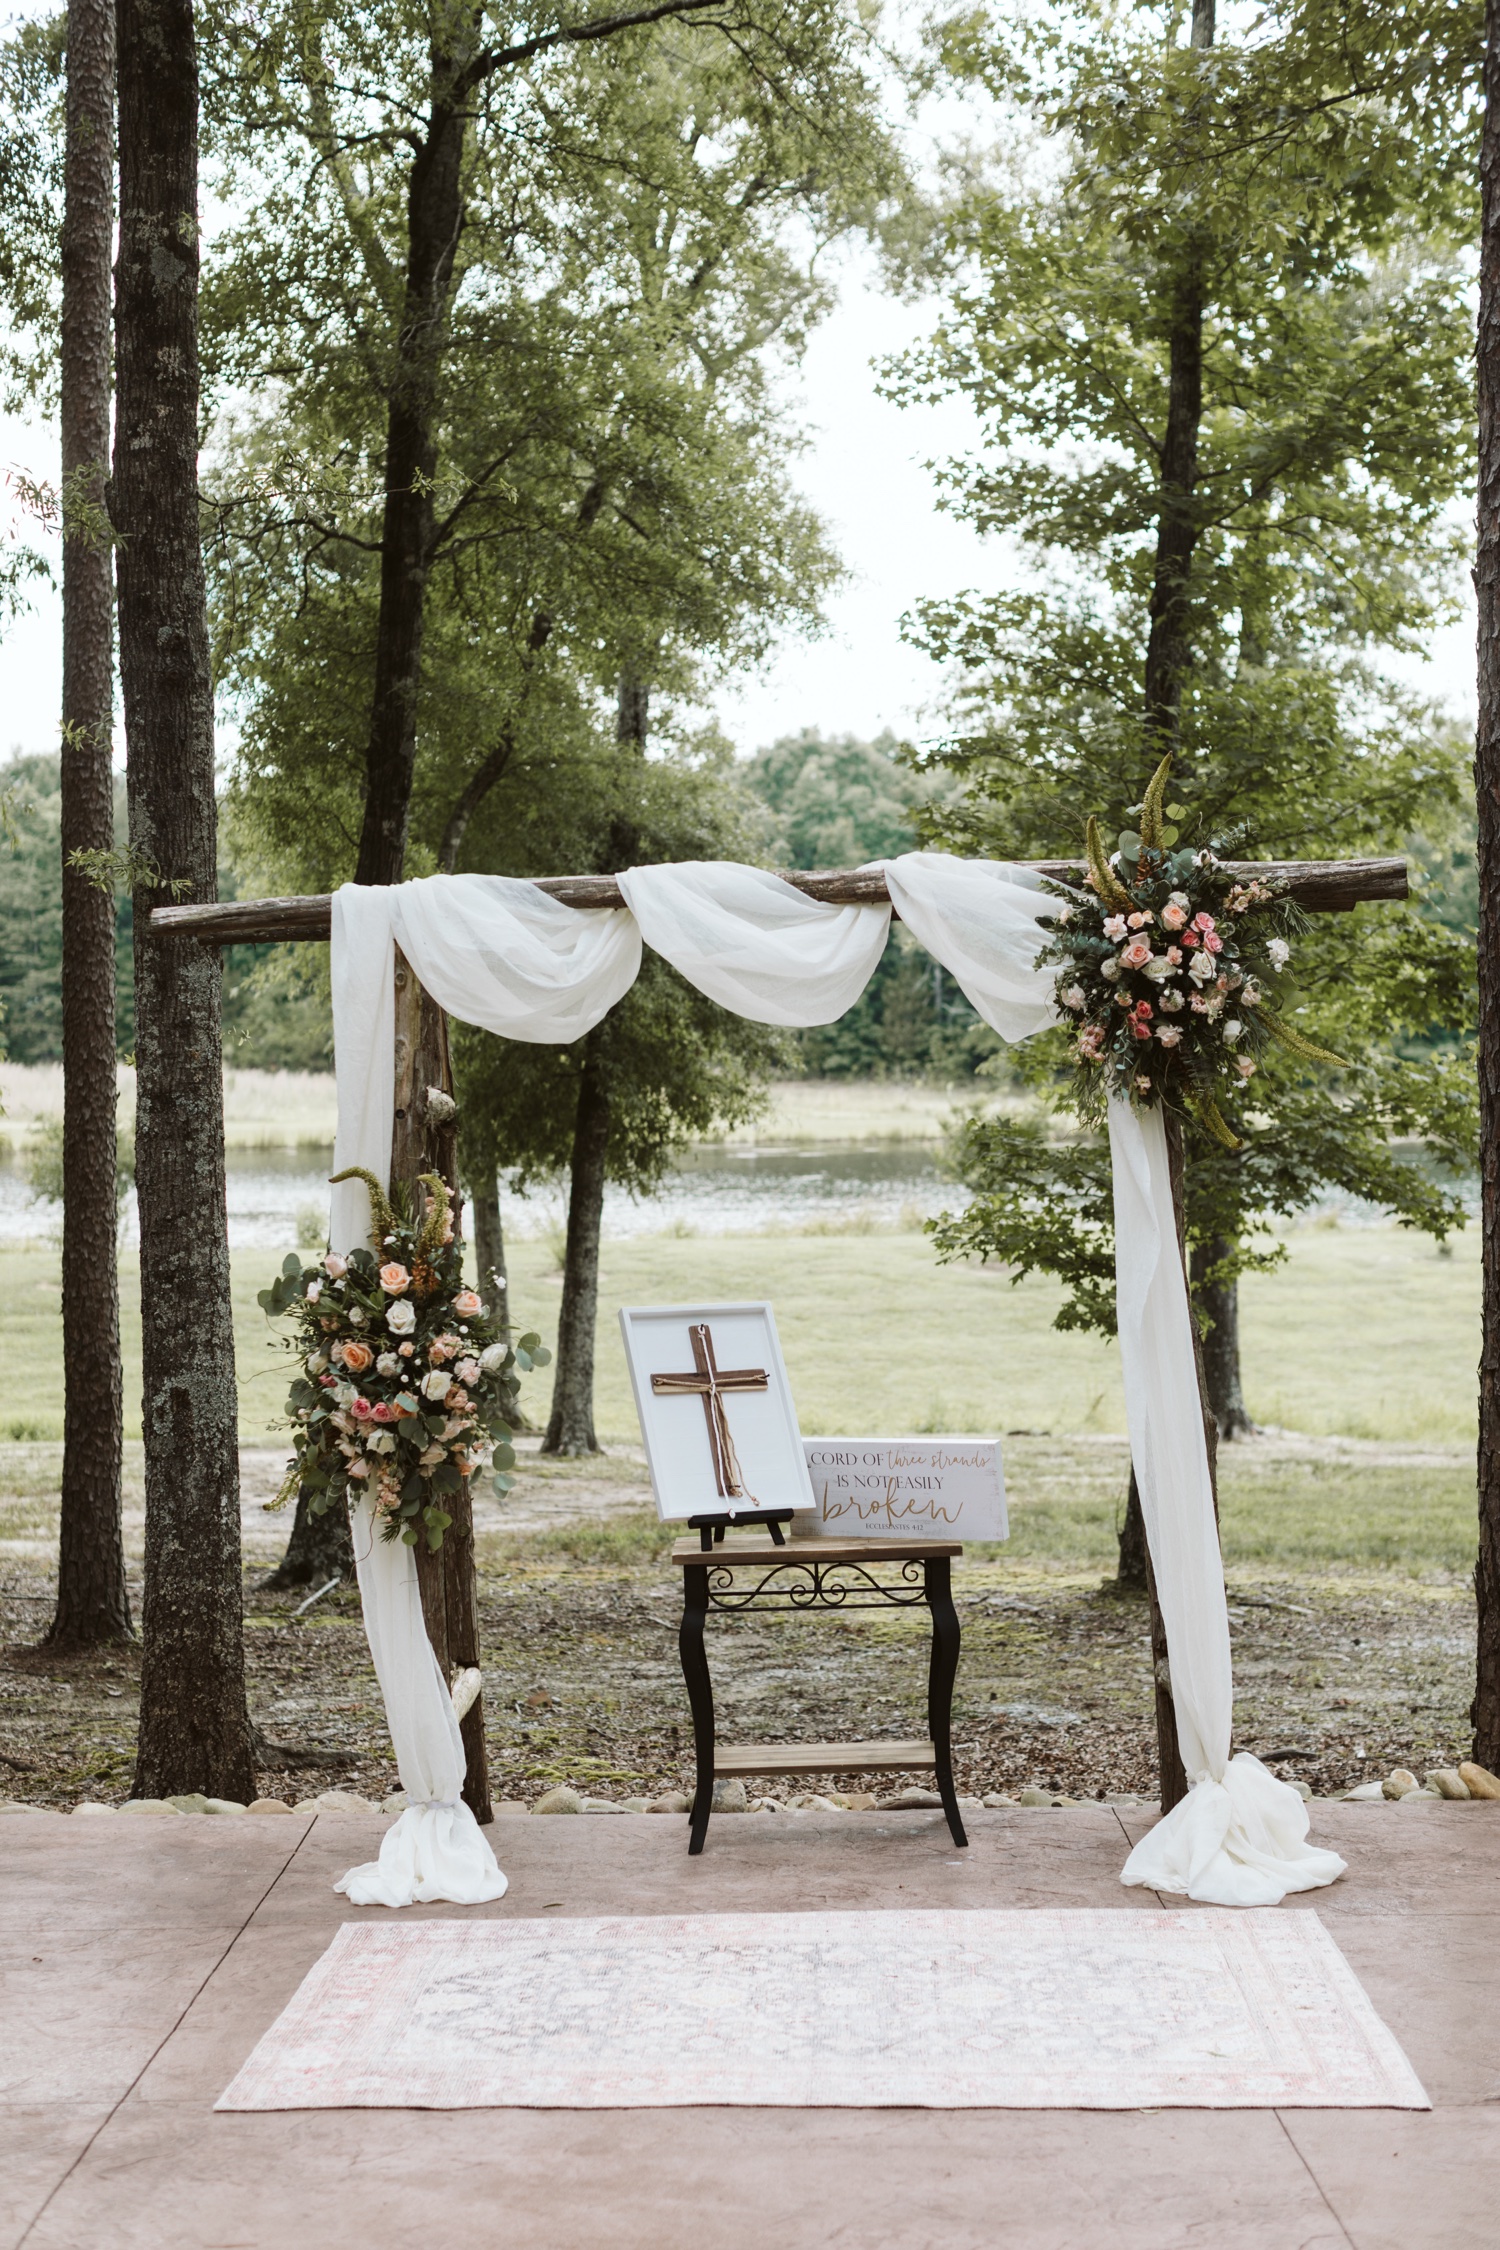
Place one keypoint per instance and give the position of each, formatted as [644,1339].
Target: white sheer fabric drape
[503,954]
[506,955]
[1239,1836]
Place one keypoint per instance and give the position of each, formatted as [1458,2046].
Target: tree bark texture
[1132,1566]
[424,1139]
[1168,648]
[1486,1709]
[434,218]
[489,1245]
[319,1548]
[1220,1301]
[632,711]
[93,1604]
[194,1729]
[570,1428]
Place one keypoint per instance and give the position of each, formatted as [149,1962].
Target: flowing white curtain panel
[501,953]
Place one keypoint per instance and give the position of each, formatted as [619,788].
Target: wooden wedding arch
[426,1140]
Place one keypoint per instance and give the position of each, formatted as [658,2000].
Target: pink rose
[361,1409]
[1174,955]
[381,1412]
[334,1266]
[1091,1043]
[467,1371]
[1173,917]
[1203,921]
[1190,937]
[359,1468]
[406,1350]
[1140,1030]
[1213,942]
[1136,954]
[394,1278]
[467,1305]
[329,1382]
[1244,1066]
[1142,1009]
[438,1351]
[1170,1034]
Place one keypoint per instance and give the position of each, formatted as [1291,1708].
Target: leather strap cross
[709,1382]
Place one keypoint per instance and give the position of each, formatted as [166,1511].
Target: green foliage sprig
[407,1385]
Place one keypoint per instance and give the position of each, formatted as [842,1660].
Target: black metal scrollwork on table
[815,1585]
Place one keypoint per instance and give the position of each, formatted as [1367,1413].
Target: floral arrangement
[407,1386]
[1171,967]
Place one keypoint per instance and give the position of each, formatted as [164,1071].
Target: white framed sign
[716,1410]
[907,1488]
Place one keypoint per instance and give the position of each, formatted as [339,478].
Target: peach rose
[1136,954]
[394,1278]
[466,1304]
[357,1357]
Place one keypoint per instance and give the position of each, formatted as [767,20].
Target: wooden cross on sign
[709,1382]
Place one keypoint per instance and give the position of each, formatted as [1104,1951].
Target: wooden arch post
[425,1140]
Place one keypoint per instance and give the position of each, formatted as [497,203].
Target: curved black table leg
[938,1584]
[700,1695]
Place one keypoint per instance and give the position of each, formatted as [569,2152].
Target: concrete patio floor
[142,1959]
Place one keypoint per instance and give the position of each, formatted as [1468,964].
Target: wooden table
[805,1578]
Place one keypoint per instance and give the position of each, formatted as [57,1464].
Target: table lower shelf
[821,1757]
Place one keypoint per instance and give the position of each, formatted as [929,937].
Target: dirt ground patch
[1340,1673]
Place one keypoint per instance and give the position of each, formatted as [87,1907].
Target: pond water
[711,1191]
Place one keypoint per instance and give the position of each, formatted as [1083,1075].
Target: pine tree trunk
[1486,1710]
[319,1549]
[571,1426]
[93,1604]
[1220,1301]
[1131,1569]
[489,1244]
[194,1729]
[434,215]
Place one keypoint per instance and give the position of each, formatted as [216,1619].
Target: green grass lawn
[1365,1332]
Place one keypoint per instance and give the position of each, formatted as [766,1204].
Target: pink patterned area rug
[1112,2009]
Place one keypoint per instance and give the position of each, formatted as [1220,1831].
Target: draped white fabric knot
[498,952]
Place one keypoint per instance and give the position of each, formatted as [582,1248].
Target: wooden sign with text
[908,1488]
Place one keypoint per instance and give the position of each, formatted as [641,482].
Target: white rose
[317,1363]
[1159,968]
[437,1383]
[1073,997]
[1232,1030]
[1109,969]
[387,1364]
[384,1441]
[401,1316]
[1279,951]
[1201,969]
[1171,1001]
[492,1358]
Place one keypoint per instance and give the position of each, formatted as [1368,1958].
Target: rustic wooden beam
[1321,886]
